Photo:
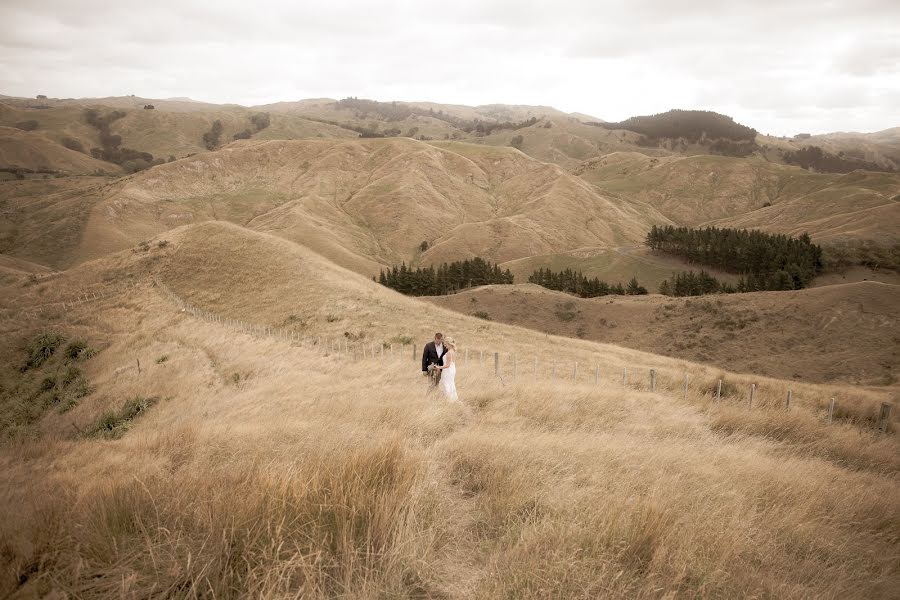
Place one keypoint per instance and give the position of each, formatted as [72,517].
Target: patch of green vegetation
[402,339]
[41,349]
[43,377]
[113,425]
[481,315]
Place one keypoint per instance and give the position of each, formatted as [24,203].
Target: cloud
[760,60]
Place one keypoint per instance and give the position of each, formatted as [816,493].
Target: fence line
[386,351]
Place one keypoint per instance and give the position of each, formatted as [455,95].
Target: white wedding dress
[448,379]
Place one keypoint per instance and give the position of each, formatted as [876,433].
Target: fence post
[719,392]
[139,365]
[535,367]
[831,411]
[652,380]
[885,416]
[481,359]
[515,367]
[685,384]
[467,357]
[392,350]
[752,392]
[575,373]
[624,376]
[597,374]
[787,402]
[496,363]
[553,372]
[414,351]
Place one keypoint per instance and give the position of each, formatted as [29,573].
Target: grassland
[268,468]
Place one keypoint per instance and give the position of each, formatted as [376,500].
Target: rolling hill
[361,203]
[284,467]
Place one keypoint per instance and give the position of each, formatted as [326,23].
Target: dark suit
[430,357]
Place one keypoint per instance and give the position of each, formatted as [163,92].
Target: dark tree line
[813,157]
[258,122]
[111,149]
[447,278]
[691,125]
[211,137]
[574,282]
[767,261]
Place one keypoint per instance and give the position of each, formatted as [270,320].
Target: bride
[448,371]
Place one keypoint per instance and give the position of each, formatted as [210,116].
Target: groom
[434,355]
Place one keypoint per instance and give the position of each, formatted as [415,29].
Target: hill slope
[365,203]
[324,473]
[828,334]
[32,152]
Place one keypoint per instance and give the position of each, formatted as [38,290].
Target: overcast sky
[780,66]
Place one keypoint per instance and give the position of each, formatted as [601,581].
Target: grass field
[232,465]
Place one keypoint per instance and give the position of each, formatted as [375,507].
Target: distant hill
[361,203]
[754,193]
[717,133]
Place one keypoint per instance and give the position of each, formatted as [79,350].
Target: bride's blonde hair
[450,342]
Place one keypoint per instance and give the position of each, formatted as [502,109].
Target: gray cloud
[778,66]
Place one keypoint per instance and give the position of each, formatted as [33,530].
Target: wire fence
[510,367]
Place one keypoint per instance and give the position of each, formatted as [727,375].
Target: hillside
[285,468]
[857,206]
[732,192]
[28,151]
[362,203]
[829,334]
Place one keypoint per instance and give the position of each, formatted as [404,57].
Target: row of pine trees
[446,279]
[767,261]
[574,282]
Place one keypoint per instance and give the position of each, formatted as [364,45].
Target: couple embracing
[439,363]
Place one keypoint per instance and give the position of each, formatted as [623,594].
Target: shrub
[71,375]
[481,315]
[73,144]
[517,142]
[42,348]
[74,350]
[162,359]
[243,135]
[29,125]
[113,425]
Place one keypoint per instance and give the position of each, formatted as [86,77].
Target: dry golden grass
[272,469]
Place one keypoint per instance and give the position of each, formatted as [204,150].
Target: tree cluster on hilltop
[767,261]
[813,157]
[691,125]
[576,283]
[447,278]
[111,149]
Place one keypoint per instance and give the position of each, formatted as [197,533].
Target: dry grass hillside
[30,151]
[753,193]
[361,203]
[236,465]
[834,333]
[858,205]
[43,220]
[568,142]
